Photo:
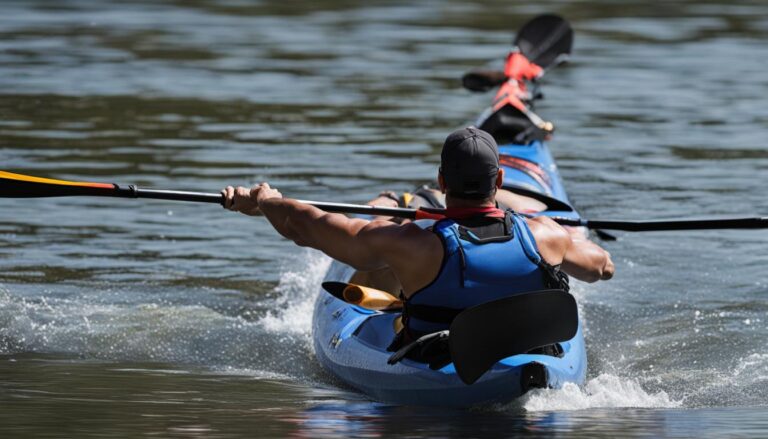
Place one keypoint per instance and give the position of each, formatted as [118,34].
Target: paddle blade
[545,40]
[366,297]
[484,334]
[483,80]
[26,186]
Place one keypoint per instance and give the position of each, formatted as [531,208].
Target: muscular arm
[586,260]
[307,225]
[568,247]
[336,235]
[362,244]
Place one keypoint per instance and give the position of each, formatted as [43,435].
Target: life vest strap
[554,277]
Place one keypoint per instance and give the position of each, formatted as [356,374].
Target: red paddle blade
[27,186]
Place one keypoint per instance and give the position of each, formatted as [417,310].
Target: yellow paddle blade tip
[31,179]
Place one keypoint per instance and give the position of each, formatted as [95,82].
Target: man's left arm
[334,234]
[569,248]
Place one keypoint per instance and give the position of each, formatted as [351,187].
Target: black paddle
[481,80]
[669,225]
[25,186]
[545,40]
[482,335]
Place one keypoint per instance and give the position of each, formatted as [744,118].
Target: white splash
[143,331]
[752,368]
[296,296]
[605,391]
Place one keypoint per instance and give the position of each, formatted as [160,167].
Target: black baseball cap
[469,163]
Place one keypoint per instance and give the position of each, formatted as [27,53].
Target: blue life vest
[496,258]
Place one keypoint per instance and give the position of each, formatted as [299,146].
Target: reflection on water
[173,319]
[86,398]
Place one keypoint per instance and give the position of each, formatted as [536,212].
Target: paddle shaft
[627,226]
[400,212]
[22,186]
[198,197]
[663,225]
[132,191]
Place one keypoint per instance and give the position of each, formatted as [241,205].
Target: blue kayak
[351,342]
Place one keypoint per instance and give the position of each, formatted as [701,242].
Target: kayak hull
[351,342]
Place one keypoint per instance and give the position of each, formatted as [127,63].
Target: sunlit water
[122,317]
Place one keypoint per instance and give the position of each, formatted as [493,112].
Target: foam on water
[745,383]
[604,391]
[296,291]
[278,345]
[147,331]
[752,368]
[607,390]
[275,345]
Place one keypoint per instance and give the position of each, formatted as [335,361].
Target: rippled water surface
[128,318]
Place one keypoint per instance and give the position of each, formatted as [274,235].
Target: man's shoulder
[544,223]
[551,238]
[389,229]
[389,235]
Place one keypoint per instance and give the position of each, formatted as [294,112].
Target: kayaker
[477,254]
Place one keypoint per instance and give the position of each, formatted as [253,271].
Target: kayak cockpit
[524,323]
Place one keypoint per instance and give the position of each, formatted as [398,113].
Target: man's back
[415,255]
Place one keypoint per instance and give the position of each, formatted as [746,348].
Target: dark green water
[126,318]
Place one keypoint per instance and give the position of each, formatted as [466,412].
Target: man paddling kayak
[477,254]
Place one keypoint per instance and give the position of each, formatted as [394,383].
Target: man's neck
[463,202]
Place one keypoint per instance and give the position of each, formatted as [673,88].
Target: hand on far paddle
[244,200]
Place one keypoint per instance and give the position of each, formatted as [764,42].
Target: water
[126,318]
